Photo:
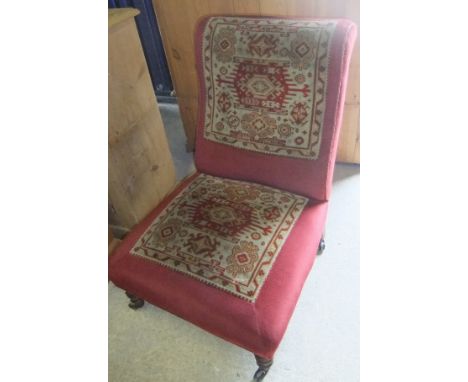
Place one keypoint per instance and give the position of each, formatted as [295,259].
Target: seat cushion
[257,323]
[223,232]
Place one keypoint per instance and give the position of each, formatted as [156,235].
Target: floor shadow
[344,171]
[183,160]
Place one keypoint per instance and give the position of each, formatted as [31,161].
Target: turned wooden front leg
[135,302]
[263,367]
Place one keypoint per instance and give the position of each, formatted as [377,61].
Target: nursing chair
[231,247]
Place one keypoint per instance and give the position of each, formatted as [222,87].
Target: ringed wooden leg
[135,302]
[263,367]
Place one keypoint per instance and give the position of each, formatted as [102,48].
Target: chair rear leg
[321,246]
[135,302]
[263,367]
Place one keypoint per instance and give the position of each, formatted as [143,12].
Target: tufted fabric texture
[230,248]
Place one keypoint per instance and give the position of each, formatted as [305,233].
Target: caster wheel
[135,302]
[263,367]
[259,375]
[321,247]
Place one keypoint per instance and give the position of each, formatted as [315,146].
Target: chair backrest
[271,99]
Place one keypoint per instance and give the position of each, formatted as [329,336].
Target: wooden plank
[112,242]
[177,20]
[113,245]
[130,92]
[352,91]
[177,31]
[118,15]
[141,170]
[348,147]
[275,7]
[246,7]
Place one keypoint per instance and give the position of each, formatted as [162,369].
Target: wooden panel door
[141,170]
[177,20]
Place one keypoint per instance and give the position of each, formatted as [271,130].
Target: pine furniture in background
[141,170]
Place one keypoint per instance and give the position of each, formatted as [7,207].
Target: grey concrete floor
[322,340]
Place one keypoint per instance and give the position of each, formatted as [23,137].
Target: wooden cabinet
[141,170]
[177,20]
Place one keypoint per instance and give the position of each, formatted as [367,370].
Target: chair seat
[197,256]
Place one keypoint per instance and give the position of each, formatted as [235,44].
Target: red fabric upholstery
[304,177]
[257,327]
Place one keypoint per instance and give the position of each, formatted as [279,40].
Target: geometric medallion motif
[223,232]
[266,82]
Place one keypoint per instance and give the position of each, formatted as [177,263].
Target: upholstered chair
[230,248]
